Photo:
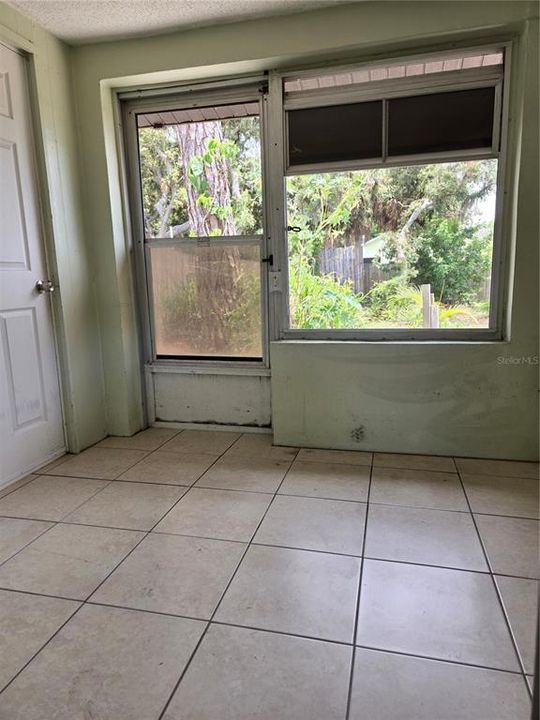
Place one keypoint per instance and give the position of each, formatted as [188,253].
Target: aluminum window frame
[402,87]
[242,90]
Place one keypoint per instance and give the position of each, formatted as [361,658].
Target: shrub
[319,301]
[454,260]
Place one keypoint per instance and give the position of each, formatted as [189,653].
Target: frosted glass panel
[206,300]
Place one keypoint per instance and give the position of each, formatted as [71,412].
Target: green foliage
[426,214]
[318,301]
[163,195]
[454,259]
[382,293]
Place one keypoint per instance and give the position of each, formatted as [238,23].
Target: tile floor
[212,576]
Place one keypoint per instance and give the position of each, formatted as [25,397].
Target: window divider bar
[392,161]
[384,130]
[398,87]
[205,241]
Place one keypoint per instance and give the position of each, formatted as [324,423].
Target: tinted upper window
[441,122]
[335,133]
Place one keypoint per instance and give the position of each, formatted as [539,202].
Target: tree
[454,259]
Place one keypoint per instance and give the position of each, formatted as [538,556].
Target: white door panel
[31,426]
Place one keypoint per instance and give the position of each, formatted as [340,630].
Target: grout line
[54,523]
[199,537]
[18,484]
[51,525]
[496,588]
[428,565]
[378,468]
[26,664]
[439,659]
[184,671]
[284,633]
[357,609]
[307,549]
[149,450]
[41,594]
[248,545]
[229,489]
[149,482]
[146,534]
[98,586]
[262,492]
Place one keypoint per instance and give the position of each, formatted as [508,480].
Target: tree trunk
[217,268]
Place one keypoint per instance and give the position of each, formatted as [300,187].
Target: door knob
[45,286]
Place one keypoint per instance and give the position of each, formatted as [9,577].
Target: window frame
[402,87]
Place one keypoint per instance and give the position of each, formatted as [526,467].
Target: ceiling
[84,21]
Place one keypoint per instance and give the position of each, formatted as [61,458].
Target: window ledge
[208,368]
[391,341]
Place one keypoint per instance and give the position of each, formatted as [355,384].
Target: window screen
[441,122]
[335,133]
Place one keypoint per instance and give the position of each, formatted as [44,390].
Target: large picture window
[392,177]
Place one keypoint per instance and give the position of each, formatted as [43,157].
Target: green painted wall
[70,257]
[441,398]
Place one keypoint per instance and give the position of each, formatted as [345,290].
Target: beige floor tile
[26,623]
[347,457]
[173,574]
[11,487]
[327,480]
[520,600]
[238,473]
[98,462]
[169,468]
[105,664]
[68,561]
[49,497]
[431,537]
[219,514]
[211,442]
[387,686]
[241,674]
[16,533]
[444,614]
[506,468]
[261,445]
[511,544]
[332,526]
[414,462]
[149,439]
[502,495]
[129,506]
[294,591]
[417,488]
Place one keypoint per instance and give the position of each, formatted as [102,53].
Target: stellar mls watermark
[517,360]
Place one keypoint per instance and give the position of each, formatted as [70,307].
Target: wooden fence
[348,265]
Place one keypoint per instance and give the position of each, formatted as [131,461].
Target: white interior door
[31,426]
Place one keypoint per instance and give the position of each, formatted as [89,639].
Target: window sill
[474,338]
[208,367]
